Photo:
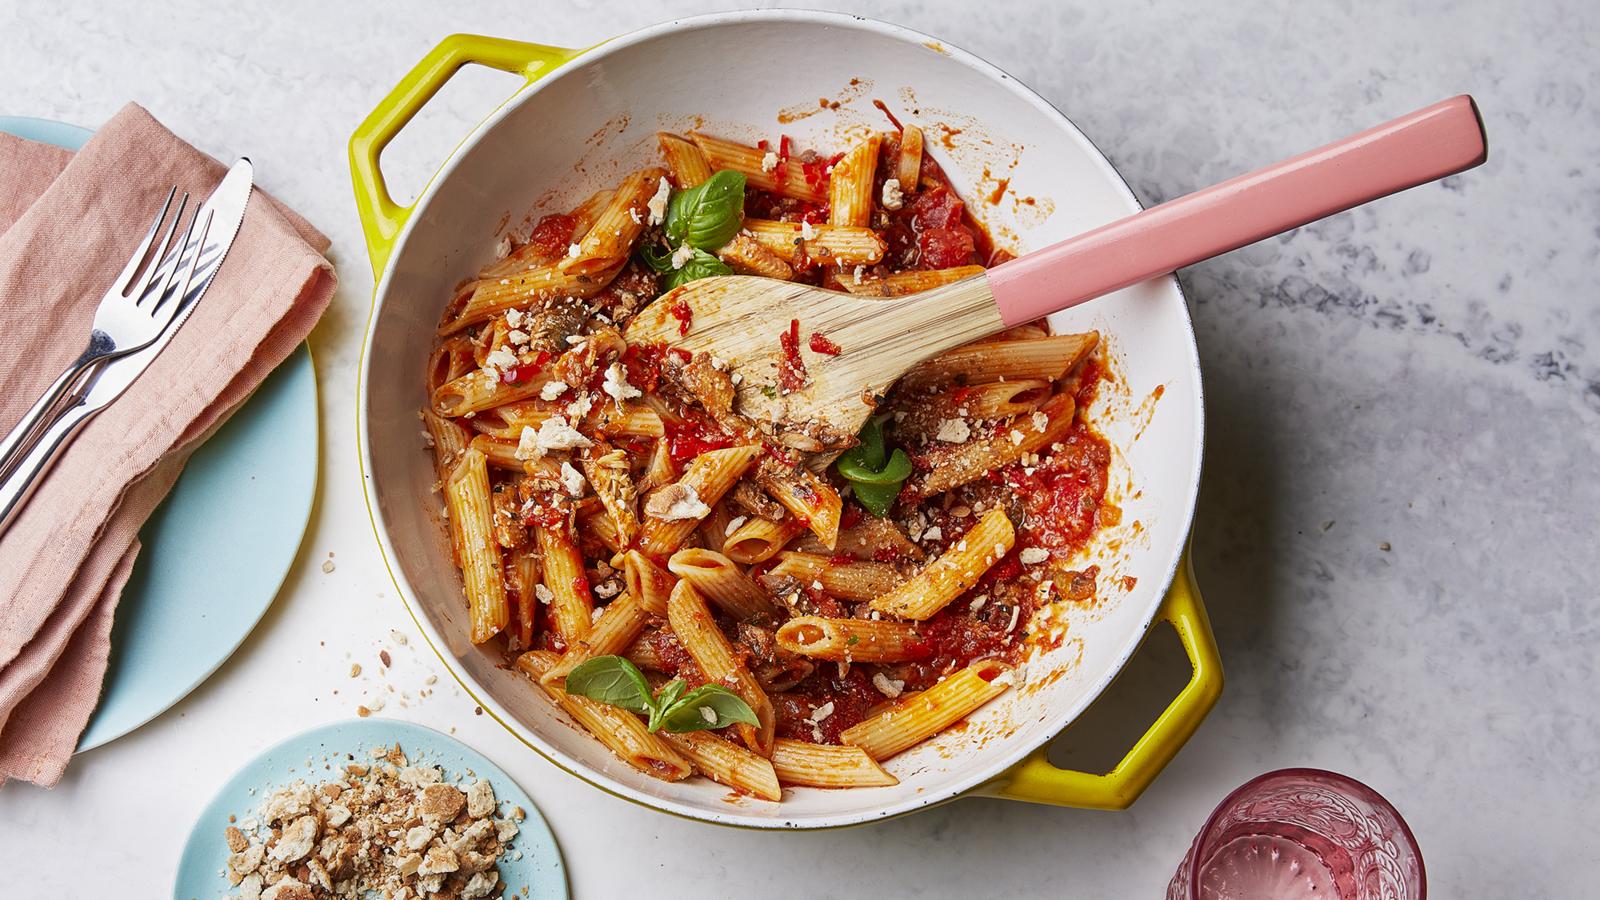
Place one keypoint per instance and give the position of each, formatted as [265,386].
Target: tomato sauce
[685,316]
[933,229]
[851,694]
[674,660]
[553,235]
[693,434]
[634,283]
[644,363]
[1062,496]
[792,375]
[526,371]
[820,343]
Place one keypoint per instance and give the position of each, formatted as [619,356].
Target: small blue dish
[217,549]
[539,868]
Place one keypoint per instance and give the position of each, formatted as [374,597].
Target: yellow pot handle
[381,217]
[1036,780]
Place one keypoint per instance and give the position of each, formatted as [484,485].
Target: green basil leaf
[671,692]
[877,498]
[709,214]
[724,707]
[655,256]
[612,680]
[896,470]
[874,474]
[869,454]
[701,265]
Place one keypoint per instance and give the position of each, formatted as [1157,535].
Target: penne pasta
[912,721]
[827,765]
[451,359]
[839,245]
[758,540]
[850,185]
[567,455]
[467,493]
[616,228]
[481,389]
[613,632]
[523,574]
[546,282]
[807,496]
[952,465]
[725,762]
[717,578]
[902,283]
[660,470]
[956,570]
[617,728]
[978,402]
[634,420]
[691,621]
[851,580]
[713,531]
[689,498]
[608,473]
[647,581]
[598,527]
[786,180]
[642,653]
[908,163]
[685,160]
[747,256]
[871,538]
[852,640]
[1047,358]
[571,603]
[449,440]
[588,212]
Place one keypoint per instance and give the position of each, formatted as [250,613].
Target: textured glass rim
[1344,782]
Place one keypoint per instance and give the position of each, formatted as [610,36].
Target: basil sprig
[615,681]
[701,265]
[703,217]
[874,473]
[707,215]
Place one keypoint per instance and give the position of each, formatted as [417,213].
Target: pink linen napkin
[68,223]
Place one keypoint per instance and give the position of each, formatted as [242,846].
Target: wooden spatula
[743,320]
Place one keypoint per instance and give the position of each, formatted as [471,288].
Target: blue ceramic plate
[217,549]
[539,867]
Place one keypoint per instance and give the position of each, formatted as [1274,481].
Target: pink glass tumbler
[1298,834]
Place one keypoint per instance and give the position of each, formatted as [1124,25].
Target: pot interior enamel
[753,76]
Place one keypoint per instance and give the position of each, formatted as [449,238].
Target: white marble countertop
[1402,477]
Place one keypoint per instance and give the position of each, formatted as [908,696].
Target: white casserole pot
[585,118]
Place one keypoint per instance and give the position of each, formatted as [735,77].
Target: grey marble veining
[1397,526]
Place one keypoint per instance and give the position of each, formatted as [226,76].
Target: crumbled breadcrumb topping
[386,829]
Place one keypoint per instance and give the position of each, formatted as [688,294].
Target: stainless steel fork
[167,294]
[132,314]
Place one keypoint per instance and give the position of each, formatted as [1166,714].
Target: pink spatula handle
[1428,144]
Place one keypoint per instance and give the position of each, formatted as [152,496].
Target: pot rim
[1007,754]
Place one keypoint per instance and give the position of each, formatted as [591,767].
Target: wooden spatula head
[743,320]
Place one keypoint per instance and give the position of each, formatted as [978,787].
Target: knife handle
[31,466]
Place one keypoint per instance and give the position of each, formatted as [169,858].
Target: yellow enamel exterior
[1035,779]
[381,217]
